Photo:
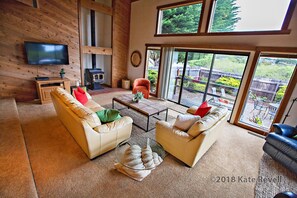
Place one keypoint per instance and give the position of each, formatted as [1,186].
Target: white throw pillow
[184,122]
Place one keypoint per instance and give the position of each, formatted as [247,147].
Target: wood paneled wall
[55,21]
[120,41]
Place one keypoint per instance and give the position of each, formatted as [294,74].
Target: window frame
[152,47]
[284,28]
[208,15]
[175,5]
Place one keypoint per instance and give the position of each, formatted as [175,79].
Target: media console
[44,87]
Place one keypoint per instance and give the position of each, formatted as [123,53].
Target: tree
[183,19]
[225,16]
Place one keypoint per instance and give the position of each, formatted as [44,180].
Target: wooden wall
[120,41]
[55,21]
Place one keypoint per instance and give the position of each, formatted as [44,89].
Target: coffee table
[144,107]
[137,157]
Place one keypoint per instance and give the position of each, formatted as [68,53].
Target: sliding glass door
[267,89]
[152,69]
[197,76]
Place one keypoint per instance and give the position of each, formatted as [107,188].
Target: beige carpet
[16,179]
[61,169]
[281,178]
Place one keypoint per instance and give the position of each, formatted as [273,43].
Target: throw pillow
[108,115]
[81,97]
[203,109]
[184,122]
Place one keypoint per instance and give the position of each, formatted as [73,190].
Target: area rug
[140,120]
[274,178]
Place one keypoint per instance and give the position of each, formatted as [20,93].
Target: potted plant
[138,96]
[62,73]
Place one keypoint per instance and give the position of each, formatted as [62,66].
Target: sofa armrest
[285,130]
[166,127]
[192,110]
[115,125]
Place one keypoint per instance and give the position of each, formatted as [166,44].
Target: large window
[248,15]
[179,19]
[197,76]
[267,89]
[152,67]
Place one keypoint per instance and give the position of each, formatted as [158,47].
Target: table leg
[112,103]
[166,115]
[148,122]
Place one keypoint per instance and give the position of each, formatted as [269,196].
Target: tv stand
[41,78]
[44,87]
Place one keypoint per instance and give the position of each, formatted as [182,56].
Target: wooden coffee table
[144,107]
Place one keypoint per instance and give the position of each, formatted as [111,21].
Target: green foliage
[138,96]
[204,60]
[280,93]
[153,76]
[184,19]
[62,71]
[228,81]
[197,86]
[225,17]
[256,119]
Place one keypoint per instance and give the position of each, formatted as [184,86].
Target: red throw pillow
[81,97]
[203,109]
[80,90]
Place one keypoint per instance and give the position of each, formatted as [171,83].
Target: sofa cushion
[203,109]
[108,115]
[66,97]
[284,144]
[184,122]
[91,104]
[207,121]
[86,114]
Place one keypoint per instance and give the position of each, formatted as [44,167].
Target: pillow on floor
[203,109]
[108,115]
[184,122]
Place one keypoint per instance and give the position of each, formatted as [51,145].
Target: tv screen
[46,53]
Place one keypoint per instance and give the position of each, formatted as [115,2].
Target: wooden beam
[31,3]
[97,50]
[99,7]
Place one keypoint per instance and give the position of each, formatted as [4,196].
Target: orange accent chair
[141,85]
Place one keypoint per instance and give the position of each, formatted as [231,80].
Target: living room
[58,166]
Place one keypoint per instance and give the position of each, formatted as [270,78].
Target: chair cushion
[207,121]
[184,122]
[284,144]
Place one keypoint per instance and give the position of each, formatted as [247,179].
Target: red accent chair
[141,85]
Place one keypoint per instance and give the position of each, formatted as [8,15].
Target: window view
[268,87]
[178,20]
[152,67]
[251,15]
[208,76]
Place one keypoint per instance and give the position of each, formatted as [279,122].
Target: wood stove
[94,78]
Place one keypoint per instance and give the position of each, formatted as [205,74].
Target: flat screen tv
[46,53]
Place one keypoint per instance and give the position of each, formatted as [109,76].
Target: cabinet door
[45,94]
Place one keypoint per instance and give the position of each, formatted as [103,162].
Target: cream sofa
[189,146]
[84,125]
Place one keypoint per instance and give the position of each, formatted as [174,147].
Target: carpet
[140,119]
[61,168]
[284,180]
